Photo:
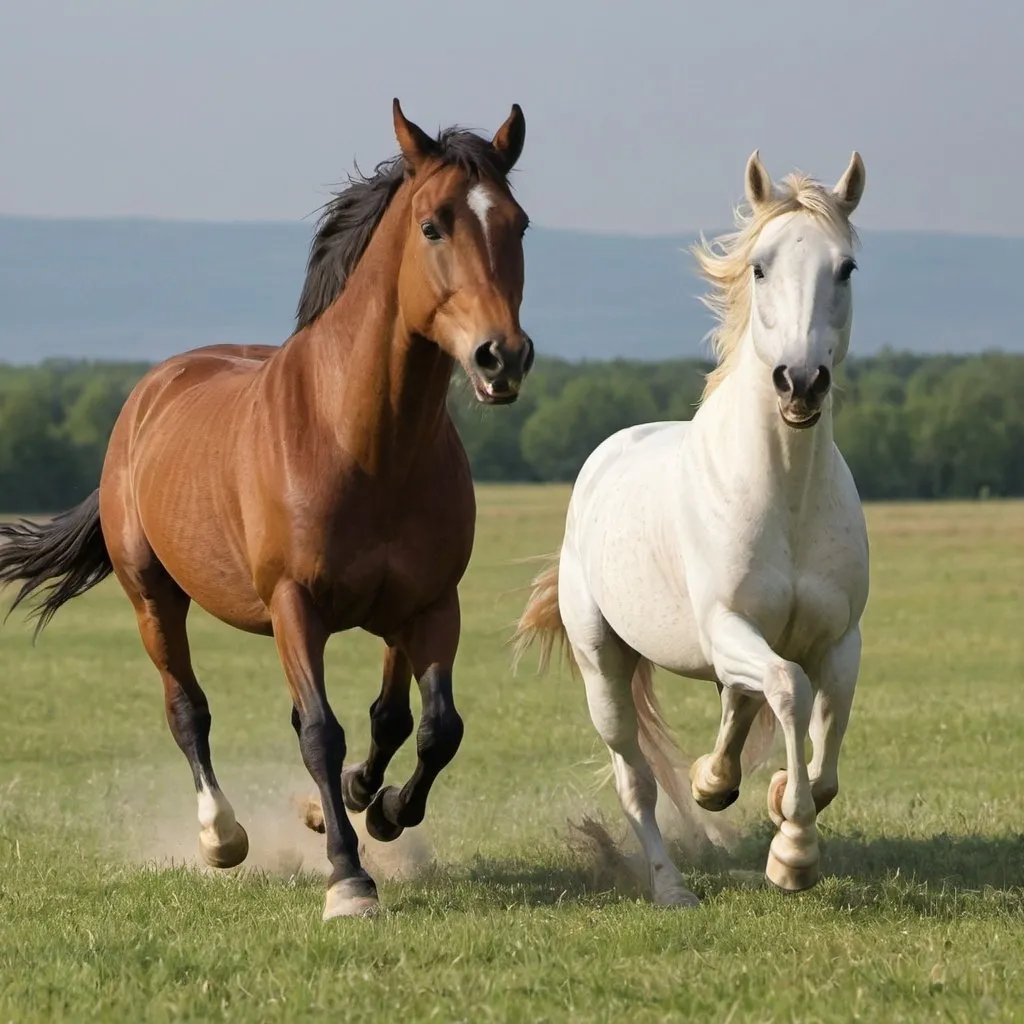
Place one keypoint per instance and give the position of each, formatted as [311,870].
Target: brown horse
[317,487]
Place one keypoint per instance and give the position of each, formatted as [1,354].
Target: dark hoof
[354,792]
[377,825]
[719,802]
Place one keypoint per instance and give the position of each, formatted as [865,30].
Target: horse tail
[657,743]
[541,621]
[61,558]
[759,740]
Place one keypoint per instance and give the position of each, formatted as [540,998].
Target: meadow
[496,908]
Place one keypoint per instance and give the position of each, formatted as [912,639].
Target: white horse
[731,548]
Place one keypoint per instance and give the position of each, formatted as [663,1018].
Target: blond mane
[724,261]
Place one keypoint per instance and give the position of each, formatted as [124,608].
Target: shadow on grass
[930,875]
[964,861]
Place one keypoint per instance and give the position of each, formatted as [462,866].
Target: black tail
[65,556]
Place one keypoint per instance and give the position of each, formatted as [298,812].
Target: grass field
[491,913]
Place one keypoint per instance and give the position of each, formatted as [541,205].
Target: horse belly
[175,489]
[623,534]
[657,621]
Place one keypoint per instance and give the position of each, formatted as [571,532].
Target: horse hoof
[676,898]
[791,879]
[352,897]
[718,801]
[793,859]
[377,825]
[227,854]
[353,790]
[312,814]
[703,787]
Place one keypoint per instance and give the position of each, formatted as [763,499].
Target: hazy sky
[640,115]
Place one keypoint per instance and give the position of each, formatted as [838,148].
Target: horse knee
[788,691]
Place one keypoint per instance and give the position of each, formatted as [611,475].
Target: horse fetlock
[356,791]
[824,792]
[384,816]
[439,739]
[714,782]
[789,802]
[390,726]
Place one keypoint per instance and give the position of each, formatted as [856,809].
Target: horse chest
[797,600]
[382,584]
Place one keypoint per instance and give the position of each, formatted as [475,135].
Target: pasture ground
[920,915]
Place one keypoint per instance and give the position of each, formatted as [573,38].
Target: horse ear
[416,145]
[758,183]
[509,138]
[851,184]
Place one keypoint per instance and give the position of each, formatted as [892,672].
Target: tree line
[910,426]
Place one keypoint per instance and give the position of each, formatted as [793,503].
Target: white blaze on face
[480,202]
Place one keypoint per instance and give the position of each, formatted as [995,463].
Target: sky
[640,115]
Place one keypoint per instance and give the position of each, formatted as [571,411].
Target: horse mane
[724,261]
[347,222]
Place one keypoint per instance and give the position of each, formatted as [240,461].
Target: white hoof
[711,791]
[351,897]
[793,858]
[227,853]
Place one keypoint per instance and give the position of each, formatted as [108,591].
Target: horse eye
[429,231]
[846,268]
[758,272]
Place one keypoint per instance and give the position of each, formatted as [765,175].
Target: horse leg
[430,645]
[607,666]
[743,659]
[161,614]
[390,726]
[610,700]
[301,638]
[831,715]
[715,777]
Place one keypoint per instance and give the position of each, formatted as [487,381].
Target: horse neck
[788,465]
[378,388]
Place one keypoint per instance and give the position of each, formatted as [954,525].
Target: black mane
[348,221]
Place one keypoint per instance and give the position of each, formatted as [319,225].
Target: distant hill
[143,289]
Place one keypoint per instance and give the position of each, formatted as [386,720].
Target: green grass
[920,915]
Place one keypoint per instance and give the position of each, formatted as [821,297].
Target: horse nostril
[488,357]
[531,352]
[822,382]
[780,378]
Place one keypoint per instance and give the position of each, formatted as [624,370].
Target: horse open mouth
[495,392]
[801,424]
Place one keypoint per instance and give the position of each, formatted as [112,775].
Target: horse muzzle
[498,369]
